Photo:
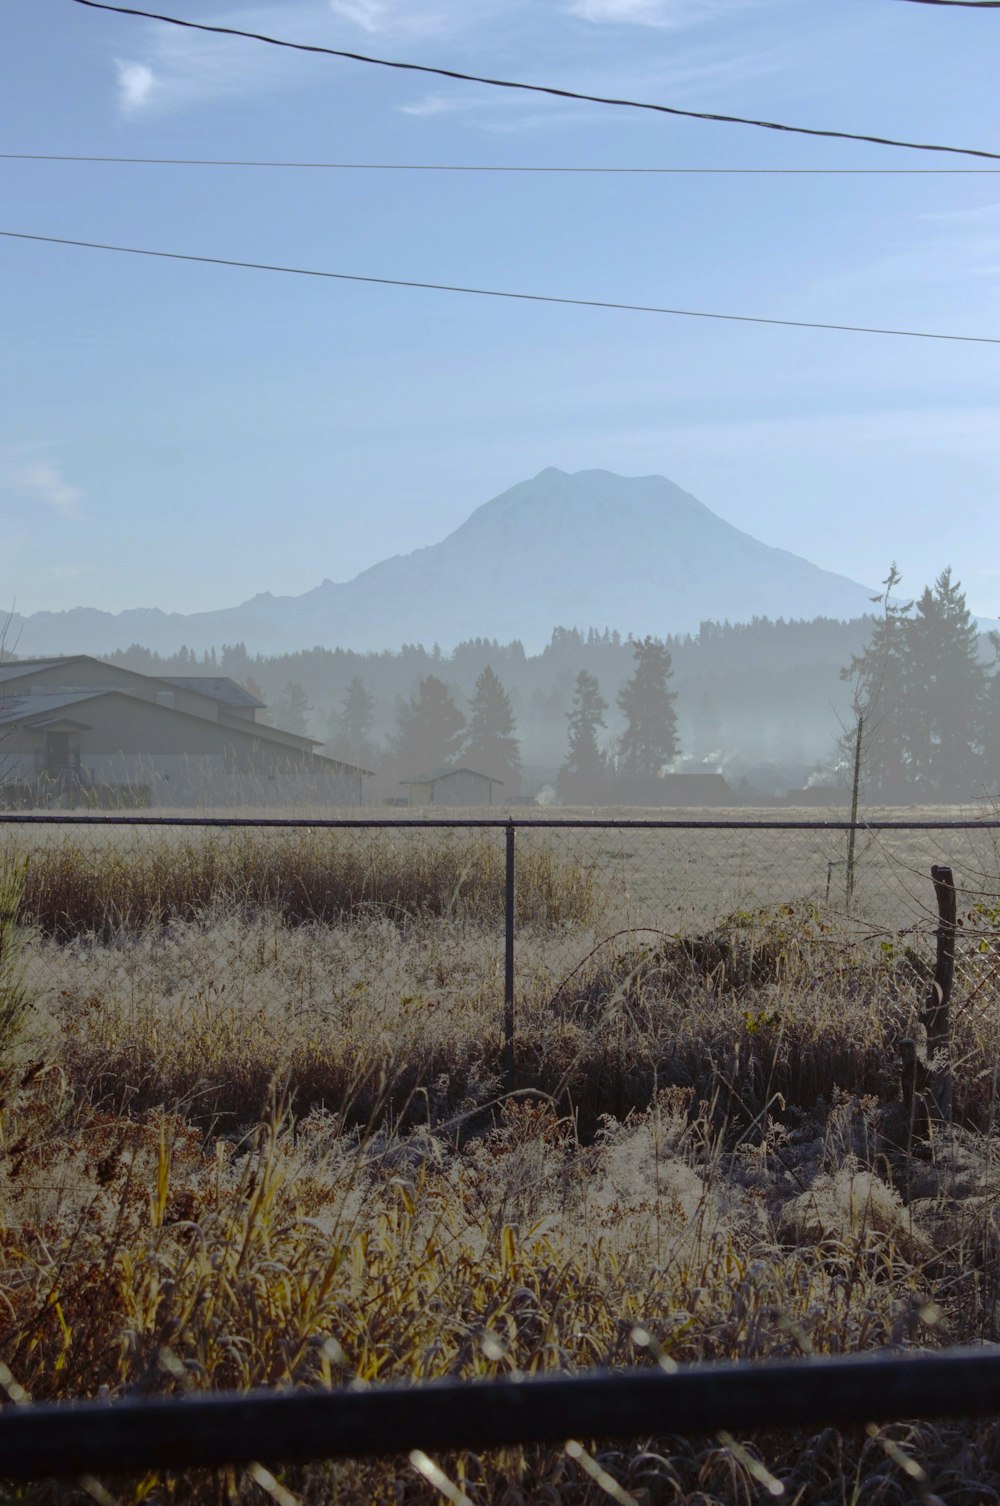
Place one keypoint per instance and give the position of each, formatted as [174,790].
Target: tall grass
[243,1144]
[77,887]
[15,995]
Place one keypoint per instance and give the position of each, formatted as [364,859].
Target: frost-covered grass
[239,1148]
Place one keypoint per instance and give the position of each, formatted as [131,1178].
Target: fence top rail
[39,1441]
[485,823]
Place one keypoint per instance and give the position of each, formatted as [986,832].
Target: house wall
[182,760]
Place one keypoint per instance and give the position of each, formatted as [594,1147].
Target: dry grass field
[254,1130]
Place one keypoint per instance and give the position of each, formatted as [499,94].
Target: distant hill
[590,549]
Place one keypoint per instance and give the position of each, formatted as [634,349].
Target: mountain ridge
[584,549]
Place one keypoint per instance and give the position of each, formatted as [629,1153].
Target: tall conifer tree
[649,741]
[583,775]
[429,730]
[491,746]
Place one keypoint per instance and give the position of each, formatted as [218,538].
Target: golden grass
[76,885]
[242,1146]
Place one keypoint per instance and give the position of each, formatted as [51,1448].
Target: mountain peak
[565,549]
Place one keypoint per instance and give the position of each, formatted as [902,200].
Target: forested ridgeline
[764,688]
[917,680]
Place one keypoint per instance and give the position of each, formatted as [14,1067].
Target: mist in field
[771,707]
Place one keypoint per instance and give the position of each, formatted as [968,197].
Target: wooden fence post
[926,1059]
[937,1010]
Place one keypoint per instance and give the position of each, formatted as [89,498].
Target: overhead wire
[547,89]
[956,4]
[503,293]
[504,167]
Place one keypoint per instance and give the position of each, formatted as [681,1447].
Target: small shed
[460,786]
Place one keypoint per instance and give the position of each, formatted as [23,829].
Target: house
[452,787]
[78,731]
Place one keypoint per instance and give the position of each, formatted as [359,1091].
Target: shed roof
[19,669]
[436,775]
[219,687]
[32,708]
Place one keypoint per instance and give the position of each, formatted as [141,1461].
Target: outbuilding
[460,786]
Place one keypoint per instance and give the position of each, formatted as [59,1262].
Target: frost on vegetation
[839,1208]
[649,1182]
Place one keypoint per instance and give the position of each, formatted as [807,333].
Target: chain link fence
[581,886]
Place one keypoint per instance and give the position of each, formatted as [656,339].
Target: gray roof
[18,669]
[437,774]
[219,687]
[28,708]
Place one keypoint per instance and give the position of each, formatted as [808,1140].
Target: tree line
[765,692]
[917,677]
[431,731]
[926,699]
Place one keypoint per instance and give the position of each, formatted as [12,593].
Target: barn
[77,731]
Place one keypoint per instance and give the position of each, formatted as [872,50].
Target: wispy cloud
[41,481]
[406,18]
[440,104]
[664,14]
[136,82]
[370,15]
[174,69]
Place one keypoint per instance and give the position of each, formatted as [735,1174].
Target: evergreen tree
[948,695]
[583,775]
[491,746]
[882,700]
[650,737]
[429,729]
[923,695]
[291,714]
[350,727]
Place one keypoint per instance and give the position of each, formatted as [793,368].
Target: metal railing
[74,1439]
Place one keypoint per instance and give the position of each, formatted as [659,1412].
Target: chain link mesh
[424,899]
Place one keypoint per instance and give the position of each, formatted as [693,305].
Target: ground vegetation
[244,1143]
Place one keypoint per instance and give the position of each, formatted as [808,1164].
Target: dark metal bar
[508,976]
[39,1442]
[350,823]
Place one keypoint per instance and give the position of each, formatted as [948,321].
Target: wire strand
[503,83]
[503,167]
[447,287]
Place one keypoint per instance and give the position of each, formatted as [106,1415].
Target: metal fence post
[508,981]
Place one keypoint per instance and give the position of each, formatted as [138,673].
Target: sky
[185,436]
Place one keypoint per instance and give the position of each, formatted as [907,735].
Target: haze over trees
[649,742]
[583,774]
[429,730]
[760,701]
[350,726]
[927,699]
[491,745]
[291,711]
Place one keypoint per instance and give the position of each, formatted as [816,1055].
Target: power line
[480,167]
[447,287]
[503,83]
[954,4]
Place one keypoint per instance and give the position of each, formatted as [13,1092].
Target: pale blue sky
[185,436]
